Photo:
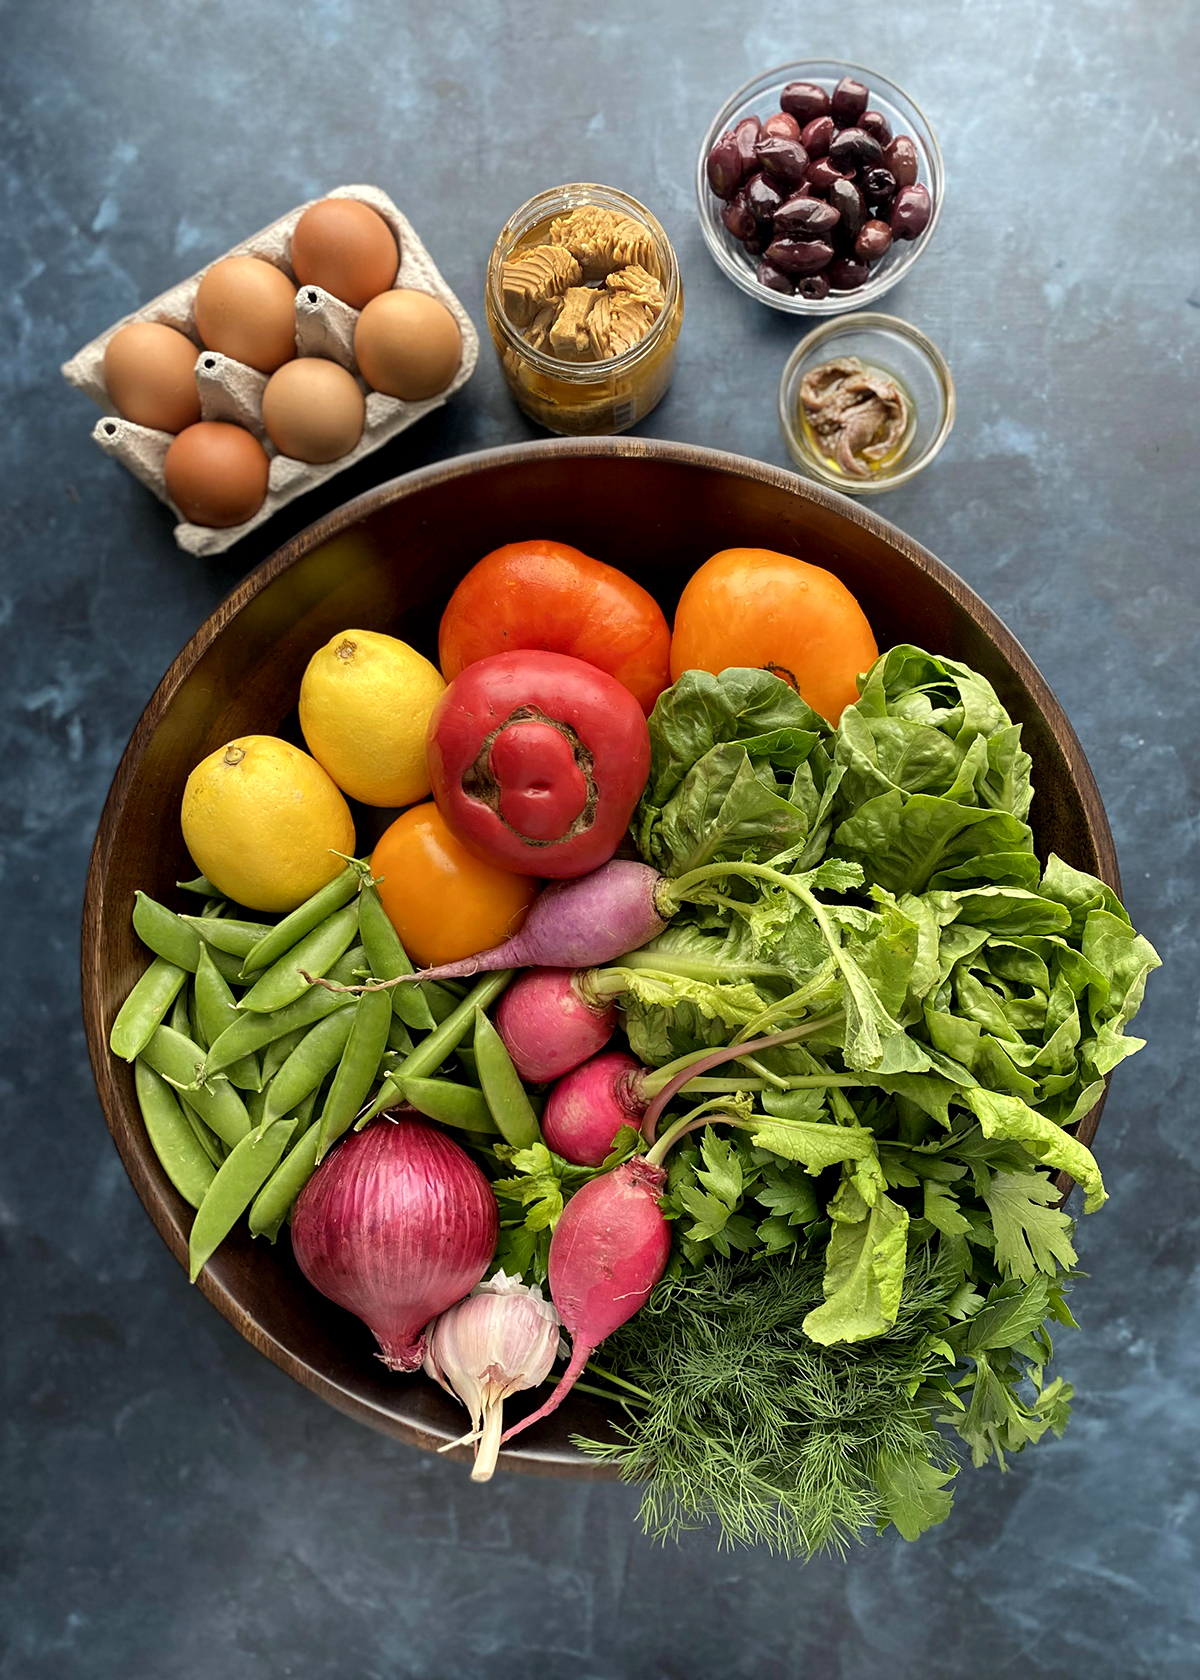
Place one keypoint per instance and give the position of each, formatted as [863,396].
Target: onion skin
[396,1226]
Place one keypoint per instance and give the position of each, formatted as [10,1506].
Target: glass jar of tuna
[584,305]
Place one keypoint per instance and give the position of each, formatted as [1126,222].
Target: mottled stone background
[174,1505]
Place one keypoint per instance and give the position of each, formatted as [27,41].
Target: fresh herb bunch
[732,1416]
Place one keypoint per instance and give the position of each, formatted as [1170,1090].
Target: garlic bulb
[501,1339]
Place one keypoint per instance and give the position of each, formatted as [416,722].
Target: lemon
[264,822]
[364,709]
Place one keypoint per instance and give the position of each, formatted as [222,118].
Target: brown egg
[150,374]
[246,308]
[345,248]
[407,345]
[313,410]
[216,474]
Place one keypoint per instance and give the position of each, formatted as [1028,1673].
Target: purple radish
[548,1024]
[589,1105]
[574,924]
[609,1249]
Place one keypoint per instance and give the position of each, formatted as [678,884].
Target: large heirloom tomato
[751,606]
[549,596]
[537,762]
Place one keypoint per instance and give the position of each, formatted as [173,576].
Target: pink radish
[589,1105]
[548,1024]
[609,1249]
[574,924]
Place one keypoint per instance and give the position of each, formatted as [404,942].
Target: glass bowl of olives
[819,184]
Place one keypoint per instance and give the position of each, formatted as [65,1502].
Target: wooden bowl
[388,561]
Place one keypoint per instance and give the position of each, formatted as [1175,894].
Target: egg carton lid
[229,390]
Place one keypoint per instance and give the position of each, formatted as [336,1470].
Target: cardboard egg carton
[229,390]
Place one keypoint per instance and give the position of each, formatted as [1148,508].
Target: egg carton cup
[229,390]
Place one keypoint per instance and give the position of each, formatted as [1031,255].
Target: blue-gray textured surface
[173,1504]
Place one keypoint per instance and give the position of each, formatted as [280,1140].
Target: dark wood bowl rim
[531,1459]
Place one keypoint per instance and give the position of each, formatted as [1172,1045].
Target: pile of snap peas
[247,1070]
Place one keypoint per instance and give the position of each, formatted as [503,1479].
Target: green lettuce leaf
[1003,1116]
[864,1275]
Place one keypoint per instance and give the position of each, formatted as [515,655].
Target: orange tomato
[444,902]
[549,596]
[751,606]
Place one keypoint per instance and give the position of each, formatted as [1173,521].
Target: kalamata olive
[739,218]
[878,184]
[774,278]
[900,156]
[822,174]
[848,102]
[804,101]
[816,135]
[910,212]
[873,240]
[747,133]
[848,202]
[799,256]
[805,218]
[784,160]
[847,274]
[724,166]
[785,126]
[763,196]
[813,287]
[754,247]
[876,125]
[854,148]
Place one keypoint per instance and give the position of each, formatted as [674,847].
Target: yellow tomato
[444,902]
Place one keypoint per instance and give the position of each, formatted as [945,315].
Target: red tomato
[442,901]
[548,596]
[537,762]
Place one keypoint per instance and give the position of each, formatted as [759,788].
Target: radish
[549,1025]
[609,1249]
[573,924]
[612,1241]
[589,1105]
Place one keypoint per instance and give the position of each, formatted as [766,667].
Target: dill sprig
[746,1424]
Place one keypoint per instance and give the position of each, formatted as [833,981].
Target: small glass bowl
[896,348]
[760,98]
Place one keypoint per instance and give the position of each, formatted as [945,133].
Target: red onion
[396,1226]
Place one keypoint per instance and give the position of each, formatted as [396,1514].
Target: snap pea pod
[228,935]
[399,1038]
[171,1136]
[454,1105]
[253,1032]
[180,1018]
[231,1192]
[317,1054]
[303,1114]
[284,981]
[358,1067]
[202,886]
[437,1045]
[179,1060]
[145,1008]
[278,1051]
[215,1010]
[205,1136]
[442,1001]
[278,1195]
[388,960]
[256,1103]
[302,921]
[169,936]
[502,1087]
